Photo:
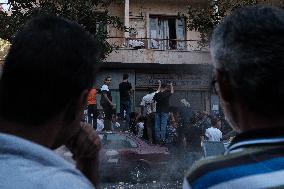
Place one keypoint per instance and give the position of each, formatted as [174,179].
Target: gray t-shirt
[24,164]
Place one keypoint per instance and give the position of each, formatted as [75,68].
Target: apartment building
[158,46]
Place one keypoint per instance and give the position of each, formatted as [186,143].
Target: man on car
[248,57]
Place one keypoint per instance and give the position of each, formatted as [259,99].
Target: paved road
[150,185]
[164,183]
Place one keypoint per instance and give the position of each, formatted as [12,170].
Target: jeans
[92,115]
[108,110]
[161,119]
[125,105]
[150,122]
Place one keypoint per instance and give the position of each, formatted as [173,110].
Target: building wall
[192,84]
[159,56]
[139,12]
[144,8]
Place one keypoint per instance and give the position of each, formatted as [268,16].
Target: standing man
[43,63]
[162,112]
[214,133]
[248,58]
[125,100]
[194,136]
[150,106]
[106,103]
[92,107]
[186,114]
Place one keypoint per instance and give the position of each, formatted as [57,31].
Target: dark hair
[50,62]
[163,85]
[248,49]
[125,76]
[150,90]
[107,77]
[214,121]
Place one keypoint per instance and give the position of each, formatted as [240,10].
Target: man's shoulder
[166,94]
[26,166]
[233,168]
[199,172]
[71,179]
[157,94]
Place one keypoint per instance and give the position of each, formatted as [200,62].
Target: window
[167,33]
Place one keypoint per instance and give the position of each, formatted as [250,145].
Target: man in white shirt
[106,103]
[214,133]
[150,109]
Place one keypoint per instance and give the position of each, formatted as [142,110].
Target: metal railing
[155,43]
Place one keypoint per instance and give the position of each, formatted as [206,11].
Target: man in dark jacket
[162,112]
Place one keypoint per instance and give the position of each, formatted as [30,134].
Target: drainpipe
[126,18]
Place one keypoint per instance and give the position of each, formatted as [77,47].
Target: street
[165,181]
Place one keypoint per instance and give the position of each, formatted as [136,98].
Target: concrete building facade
[158,46]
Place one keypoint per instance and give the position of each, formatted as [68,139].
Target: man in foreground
[52,77]
[248,56]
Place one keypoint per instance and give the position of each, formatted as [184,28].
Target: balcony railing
[155,43]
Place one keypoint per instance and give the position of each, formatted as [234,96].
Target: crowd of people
[179,128]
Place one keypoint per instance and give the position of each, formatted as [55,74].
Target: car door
[117,148]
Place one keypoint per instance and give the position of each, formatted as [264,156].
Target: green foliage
[204,17]
[92,14]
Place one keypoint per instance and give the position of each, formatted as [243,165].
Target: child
[115,126]
[171,131]
[100,123]
[133,123]
[140,127]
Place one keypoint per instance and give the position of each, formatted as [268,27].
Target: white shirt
[149,103]
[104,88]
[140,128]
[100,125]
[213,134]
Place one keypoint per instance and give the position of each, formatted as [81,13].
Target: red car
[124,155]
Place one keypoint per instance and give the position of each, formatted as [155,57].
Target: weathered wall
[139,18]
[192,83]
[141,9]
[159,56]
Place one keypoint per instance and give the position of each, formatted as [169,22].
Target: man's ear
[223,87]
[76,107]
[83,99]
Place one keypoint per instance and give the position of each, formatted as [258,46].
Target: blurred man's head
[150,90]
[185,102]
[125,76]
[215,122]
[248,55]
[163,86]
[50,63]
[107,80]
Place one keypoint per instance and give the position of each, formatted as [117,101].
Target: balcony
[162,51]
